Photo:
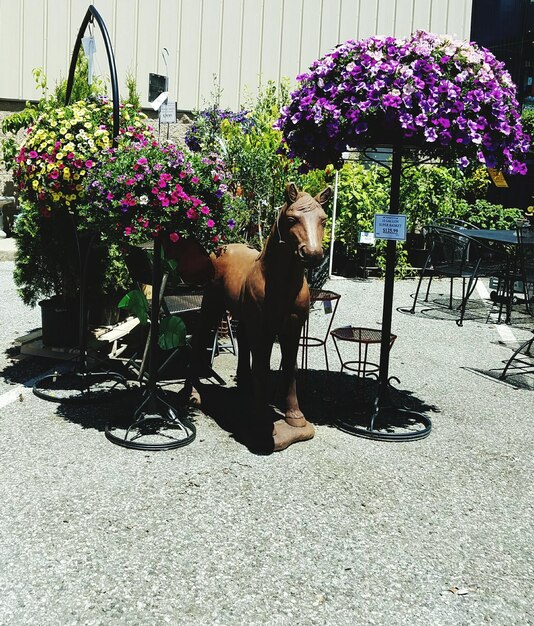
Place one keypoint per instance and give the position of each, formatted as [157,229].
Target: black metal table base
[389,422]
[78,386]
[156,426]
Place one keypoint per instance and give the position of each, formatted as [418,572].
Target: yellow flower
[59,155]
[35,184]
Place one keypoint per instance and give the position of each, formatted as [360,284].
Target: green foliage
[484,214]
[45,256]
[527,121]
[136,303]
[133,97]
[254,159]
[362,192]
[47,264]
[426,192]
[403,269]
[172,330]
[81,90]
[249,145]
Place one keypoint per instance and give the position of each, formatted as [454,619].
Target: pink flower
[210,223]
[195,180]
[130,181]
[174,237]
[89,164]
[205,210]
[192,214]
[109,196]
[53,174]
[128,230]
[33,154]
[142,161]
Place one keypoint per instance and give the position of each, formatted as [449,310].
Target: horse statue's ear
[291,193]
[324,196]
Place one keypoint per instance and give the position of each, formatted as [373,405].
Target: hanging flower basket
[448,98]
[146,189]
[62,147]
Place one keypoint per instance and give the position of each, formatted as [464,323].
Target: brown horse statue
[268,294]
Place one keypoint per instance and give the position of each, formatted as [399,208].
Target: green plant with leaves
[527,121]
[172,330]
[250,146]
[362,192]
[50,161]
[485,214]
[46,262]
[133,97]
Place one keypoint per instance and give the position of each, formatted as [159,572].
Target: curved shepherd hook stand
[155,419]
[81,385]
[384,421]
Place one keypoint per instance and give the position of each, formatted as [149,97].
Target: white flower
[143,200]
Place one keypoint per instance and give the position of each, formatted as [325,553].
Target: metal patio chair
[525,238]
[454,254]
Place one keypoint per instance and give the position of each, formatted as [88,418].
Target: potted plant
[58,150]
[143,191]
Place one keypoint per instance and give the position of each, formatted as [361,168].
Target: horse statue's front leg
[294,427]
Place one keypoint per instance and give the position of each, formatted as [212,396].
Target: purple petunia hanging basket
[449,98]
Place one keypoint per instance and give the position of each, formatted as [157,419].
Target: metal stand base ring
[154,418]
[384,435]
[80,384]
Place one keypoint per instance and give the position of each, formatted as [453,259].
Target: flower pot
[193,263]
[60,323]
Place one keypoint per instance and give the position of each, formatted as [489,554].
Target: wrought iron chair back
[525,239]
[454,254]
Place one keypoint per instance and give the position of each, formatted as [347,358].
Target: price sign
[390,226]
[167,113]
[368,238]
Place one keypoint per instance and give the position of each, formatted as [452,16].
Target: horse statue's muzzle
[310,258]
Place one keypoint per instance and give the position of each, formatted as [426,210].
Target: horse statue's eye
[292,220]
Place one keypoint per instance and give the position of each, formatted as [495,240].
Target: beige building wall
[234,45]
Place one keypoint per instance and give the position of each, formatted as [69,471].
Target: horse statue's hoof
[284,434]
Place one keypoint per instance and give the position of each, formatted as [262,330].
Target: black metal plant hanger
[80,382]
[385,413]
[154,416]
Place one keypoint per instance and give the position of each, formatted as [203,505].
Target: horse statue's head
[301,223]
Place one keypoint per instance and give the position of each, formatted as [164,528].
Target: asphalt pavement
[339,530]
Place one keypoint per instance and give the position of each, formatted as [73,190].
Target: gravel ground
[337,530]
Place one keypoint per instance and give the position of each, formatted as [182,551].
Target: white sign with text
[167,113]
[390,226]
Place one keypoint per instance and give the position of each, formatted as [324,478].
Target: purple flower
[449,98]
